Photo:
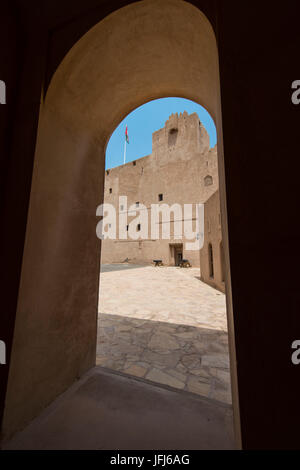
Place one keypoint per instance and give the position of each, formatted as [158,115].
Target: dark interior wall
[9,73]
[23,35]
[258,46]
[258,62]
[13,212]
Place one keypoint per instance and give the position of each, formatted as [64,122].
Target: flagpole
[125,151]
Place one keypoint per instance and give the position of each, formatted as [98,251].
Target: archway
[169,49]
[145,312]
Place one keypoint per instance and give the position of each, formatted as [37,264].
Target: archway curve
[117,68]
[146,50]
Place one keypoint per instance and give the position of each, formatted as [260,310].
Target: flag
[126,135]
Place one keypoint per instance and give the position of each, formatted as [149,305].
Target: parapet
[182,132]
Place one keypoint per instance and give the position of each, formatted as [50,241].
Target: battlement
[180,120]
[181,136]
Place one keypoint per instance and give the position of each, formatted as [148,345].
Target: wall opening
[172,137]
[153,303]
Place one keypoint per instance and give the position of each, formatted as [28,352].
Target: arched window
[172,137]
[211,260]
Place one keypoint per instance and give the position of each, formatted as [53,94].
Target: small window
[127,227]
[134,163]
[160,197]
[121,208]
[139,227]
[208,180]
[137,204]
[110,190]
[109,225]
[107,172]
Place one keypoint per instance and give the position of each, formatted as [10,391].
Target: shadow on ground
[179,356]
[105,410]
[106,268]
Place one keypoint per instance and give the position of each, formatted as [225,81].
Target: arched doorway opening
[154,310]
[110,71]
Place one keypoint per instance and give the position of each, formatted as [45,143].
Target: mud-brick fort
[181,157]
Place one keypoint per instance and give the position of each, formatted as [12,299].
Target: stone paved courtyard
[165,325]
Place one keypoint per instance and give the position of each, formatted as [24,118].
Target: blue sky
[146,119]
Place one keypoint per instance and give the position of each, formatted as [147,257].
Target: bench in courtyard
[184,263]
[157,262]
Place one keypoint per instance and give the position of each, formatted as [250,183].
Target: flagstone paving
[165,325]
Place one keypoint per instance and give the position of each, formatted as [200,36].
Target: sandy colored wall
[55,331]
[213,236]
